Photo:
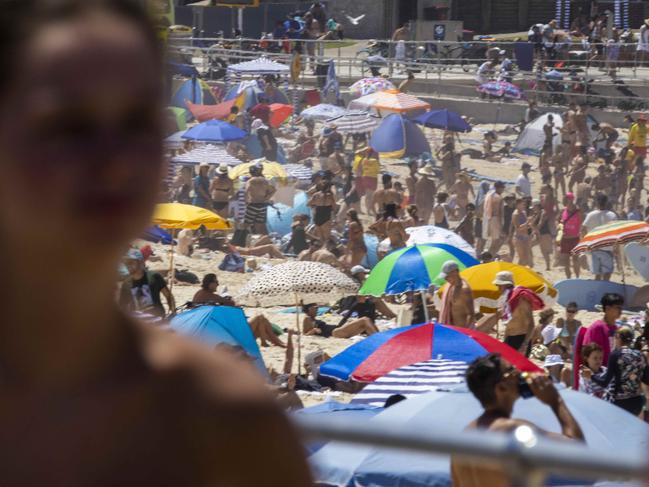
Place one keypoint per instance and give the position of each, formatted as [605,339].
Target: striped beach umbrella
[383,352]
[614,233]
[413,269]
[389,101]
[355,122]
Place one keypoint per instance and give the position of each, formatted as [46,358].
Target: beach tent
[252,91]
[398,137]
[253,147]
[219,324]
[194,90]
[257,67]
[531,139]
[279,218]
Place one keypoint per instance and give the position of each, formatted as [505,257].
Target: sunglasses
[571,311]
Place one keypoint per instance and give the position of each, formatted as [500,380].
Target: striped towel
[412,380]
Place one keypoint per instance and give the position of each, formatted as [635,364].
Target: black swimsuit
[322,215]
[326,330]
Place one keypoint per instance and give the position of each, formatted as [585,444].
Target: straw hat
[222,169]
[426,171]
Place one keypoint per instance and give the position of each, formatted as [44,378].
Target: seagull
[355,21]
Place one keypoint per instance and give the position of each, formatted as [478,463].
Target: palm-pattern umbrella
[611,234]
[366,86]
[355,122]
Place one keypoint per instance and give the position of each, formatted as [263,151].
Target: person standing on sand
[457,300]
[142,406]
[142,289]
[386,196]
[202,188]
[425,190]
[222,190]
[258,194]
[492,218]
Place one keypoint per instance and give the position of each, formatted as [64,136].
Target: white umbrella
[206,154]
[432,234]
[322,112]
[355,122]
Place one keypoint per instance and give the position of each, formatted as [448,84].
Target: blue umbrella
[606,428]
[219,324]
[157,235]
[443,119]
[397,137]
[215,131]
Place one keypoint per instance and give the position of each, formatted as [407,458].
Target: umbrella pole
[424,303]
[299,335]
[171,261]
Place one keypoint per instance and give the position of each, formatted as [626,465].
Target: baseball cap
[448,267]
[358,269]
[526,165]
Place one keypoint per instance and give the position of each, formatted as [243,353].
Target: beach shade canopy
[194,90]
[532,138]
[413,269]
[501,89]
[178,118]
[355,122]
[206,154]
[177,216]
[157,235]
[383,352]
[280,218]
[213,325]
[279,112]
[271,169]
[606,429]
[215,131]
[284,284]
[443,119]
[259,66]
[389,101]
[248,93]
[203,113]
[486,294]
[322,112]
[611,234]
[413,380]
[436,235]
[398,137]
[367,86]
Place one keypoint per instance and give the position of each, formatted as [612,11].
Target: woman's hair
[611,299]
[412,210]
[626,335]
[588,349]
[207,280]
[21,19]
[307,307]
[353,216]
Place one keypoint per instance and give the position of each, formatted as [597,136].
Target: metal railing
[526,456]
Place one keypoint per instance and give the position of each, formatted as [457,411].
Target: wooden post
[171,261]
[299,334]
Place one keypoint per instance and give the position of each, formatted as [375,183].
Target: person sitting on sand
[362,315]
[207,293]
[488,152]
[263,330]
[261,248]
[457,299]
[389,226]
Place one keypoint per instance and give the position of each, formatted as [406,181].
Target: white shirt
[523,184]
[597,218]
[643,40]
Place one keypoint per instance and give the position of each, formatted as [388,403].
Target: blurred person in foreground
[91,397]
[496,384]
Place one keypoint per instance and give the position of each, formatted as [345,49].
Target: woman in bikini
[221,190]
[356,248]
[323,204]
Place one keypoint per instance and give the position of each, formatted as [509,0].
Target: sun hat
[222,169]
[358,269]
[427,170]
[551,360]
[448,267]
[504,278]
[550,333]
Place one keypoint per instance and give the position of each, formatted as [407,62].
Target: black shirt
[144,294]
[362,310]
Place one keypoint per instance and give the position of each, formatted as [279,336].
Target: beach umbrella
[367,86]
[215,131]
[443,119]
[322,112]
[194,90]
[486,294]
[294,282]
[279,112]
[157,235]
[270,169]
[500,89]
[437,235]
[355,122]
[213,325]
[389,101]
[398,137]
[203,113]
[611,234]
[606,429]
[413,269]
[177,216]
[383,352]
[206,154]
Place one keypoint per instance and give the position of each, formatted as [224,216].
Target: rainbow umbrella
[413,268]
[367,86]
[381,353]
[610,234]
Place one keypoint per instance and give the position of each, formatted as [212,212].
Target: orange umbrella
[279,113]
[390,101]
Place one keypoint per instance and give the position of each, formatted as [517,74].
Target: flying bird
[355,21]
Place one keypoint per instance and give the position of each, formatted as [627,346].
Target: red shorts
[640,151]
[365,184]
[567,244]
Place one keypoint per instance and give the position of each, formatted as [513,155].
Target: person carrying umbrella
[497,385]
[457,300]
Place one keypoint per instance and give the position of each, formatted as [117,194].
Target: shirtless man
[258,194]
[569,129]
[560,162]
[602,182]
[548,132]
[446,154]
[425,190]
[577,172]
[605,133]
[462,189]
[222,190]
[411,181]
[457,300]
[389,226]
[326,255]
[581,125]
[386,196]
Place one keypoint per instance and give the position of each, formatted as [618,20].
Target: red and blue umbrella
[381,353]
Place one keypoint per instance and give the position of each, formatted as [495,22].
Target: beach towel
[514,297]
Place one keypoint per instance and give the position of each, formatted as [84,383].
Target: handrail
[523,453]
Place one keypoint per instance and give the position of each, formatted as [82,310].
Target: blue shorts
[602,262]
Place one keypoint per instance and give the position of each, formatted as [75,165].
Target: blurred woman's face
[594,360]
[80,136]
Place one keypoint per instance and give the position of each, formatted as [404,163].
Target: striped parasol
[355,122]
[366,86]
[610,234]
[389,101]
[206,154]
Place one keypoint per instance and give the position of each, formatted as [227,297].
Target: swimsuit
[255,213]
[322,215]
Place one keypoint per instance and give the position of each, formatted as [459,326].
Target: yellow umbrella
[486,294]
[271,169]
[176,216]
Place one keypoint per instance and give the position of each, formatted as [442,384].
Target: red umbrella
[279,113]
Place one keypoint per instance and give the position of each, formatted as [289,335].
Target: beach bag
[233,263]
